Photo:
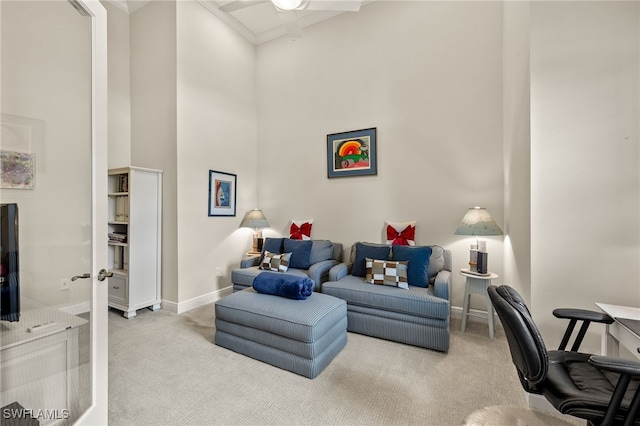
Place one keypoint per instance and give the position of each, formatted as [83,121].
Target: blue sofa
[418,315]
[312,258]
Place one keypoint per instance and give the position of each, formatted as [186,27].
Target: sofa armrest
[320,269]
[250,261]
[442,284]
[339,271]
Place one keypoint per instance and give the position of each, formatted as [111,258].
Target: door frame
[97,413]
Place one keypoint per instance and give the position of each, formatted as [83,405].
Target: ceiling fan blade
[291,23]
[240,4]
[336,5]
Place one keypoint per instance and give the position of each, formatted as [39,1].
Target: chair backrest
[528,351]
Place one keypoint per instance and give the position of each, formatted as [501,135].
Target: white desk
[40,369]
[617,334]
[477,284]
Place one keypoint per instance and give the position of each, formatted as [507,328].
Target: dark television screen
[9,263]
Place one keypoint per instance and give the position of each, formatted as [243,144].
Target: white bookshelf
[135,239]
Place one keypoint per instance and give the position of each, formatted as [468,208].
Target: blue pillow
[418,258]
[273,245]
[364,250]
[300,252]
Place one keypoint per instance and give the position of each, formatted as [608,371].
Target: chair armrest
[582,314]
[575,315]
[320,270]
[339,271]
[250,261]
[617,365]
[627,369]
[442,284]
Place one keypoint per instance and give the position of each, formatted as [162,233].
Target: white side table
[477,284]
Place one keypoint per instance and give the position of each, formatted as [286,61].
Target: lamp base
[482,262]
[258,241]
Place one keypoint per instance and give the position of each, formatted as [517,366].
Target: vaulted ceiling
[259,21]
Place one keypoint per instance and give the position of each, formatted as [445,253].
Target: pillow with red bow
[401,233]
[300,229]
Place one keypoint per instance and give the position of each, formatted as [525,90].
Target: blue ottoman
[301,336]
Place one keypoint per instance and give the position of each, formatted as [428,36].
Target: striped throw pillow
[386,272]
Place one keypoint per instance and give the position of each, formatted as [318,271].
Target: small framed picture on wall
[352,153]
[222,193]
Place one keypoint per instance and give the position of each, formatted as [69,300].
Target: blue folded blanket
[285,285]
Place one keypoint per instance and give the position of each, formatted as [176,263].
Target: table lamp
[477,221]
[255,219]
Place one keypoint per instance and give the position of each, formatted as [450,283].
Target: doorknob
[102,274]
[85,275]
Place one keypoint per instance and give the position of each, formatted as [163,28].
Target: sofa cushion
[320,250]
[274,245]
[364,250]
[275,262]
[401,233]
[415,301]
[418,258]
[300,253]
[386,272]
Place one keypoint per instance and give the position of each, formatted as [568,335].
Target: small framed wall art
[17,170]
[352,153]
[222,193]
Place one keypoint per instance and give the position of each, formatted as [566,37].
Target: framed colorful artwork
[17,170]
[222,193]
[351,153]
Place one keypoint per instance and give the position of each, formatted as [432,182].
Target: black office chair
[603,390]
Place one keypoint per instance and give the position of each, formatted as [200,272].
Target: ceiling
[260,21]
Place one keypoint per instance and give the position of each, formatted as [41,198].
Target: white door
[53,171]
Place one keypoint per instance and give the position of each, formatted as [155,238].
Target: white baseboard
[196,302]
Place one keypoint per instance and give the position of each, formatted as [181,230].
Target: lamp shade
[478,221]
[254,219]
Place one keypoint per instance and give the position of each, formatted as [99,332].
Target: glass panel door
[48,211]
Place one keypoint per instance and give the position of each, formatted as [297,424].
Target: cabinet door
[53,100]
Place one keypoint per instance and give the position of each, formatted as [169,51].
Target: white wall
[119,81]
[153,118]
[428,75]
[584,158]
[517,148]
[46,88]
[217,130]
[194,110]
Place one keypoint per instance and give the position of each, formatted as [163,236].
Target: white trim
[97,413]
[196,302]
[232,22]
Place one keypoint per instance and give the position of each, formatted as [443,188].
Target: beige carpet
[165,370]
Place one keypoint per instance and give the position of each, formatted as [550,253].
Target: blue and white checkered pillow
[275,262]
[386,272]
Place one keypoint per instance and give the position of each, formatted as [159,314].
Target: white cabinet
[135,239]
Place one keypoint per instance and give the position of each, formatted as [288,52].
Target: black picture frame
[352,153]
[222,193]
